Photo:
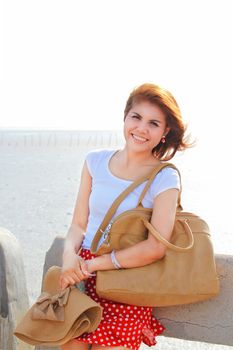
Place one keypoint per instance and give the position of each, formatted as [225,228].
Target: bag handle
[150,177]
[169,245]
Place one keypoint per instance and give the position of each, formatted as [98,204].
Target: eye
[154,124]
[135,116]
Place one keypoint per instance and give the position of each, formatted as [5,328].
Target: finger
[74,276]
[64,285]
[72,273]
[70,281]
[83,267]
[61,282]
[86,269]
[80,268]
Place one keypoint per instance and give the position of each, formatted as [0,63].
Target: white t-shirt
[106,187]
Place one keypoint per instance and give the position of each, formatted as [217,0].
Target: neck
[136,158]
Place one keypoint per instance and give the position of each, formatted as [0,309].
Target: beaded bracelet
[114,260]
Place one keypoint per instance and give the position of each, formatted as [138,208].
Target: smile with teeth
[139,138]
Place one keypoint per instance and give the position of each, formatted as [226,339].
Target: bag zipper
[106,232]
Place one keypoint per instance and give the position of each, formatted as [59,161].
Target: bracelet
[114,260]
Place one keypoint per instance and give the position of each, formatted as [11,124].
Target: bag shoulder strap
[150,177]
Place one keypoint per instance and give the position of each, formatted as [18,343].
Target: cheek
[127,124]
[125,130]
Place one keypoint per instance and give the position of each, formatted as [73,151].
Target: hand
[75,274]
[90,266]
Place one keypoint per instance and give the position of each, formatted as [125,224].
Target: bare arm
[71,263]
[150,250]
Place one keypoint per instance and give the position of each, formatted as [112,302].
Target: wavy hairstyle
[175,138]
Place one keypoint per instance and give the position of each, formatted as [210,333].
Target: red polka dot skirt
[121,324]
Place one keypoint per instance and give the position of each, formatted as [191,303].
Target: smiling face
[145,125]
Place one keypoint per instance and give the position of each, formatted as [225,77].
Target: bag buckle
[107,230]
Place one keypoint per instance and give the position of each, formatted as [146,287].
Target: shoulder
[99,151]
[166,179]
[169,173]
[97,156]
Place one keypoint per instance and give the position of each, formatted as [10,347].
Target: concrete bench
[210,321]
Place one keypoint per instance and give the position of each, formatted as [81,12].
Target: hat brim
[81,315]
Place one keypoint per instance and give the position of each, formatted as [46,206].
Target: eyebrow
[152,120]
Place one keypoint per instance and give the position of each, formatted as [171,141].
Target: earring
[163,139]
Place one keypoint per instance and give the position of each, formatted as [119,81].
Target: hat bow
[51,307]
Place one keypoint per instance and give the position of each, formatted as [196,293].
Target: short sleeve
[95,158]
[167,178]
[91,161]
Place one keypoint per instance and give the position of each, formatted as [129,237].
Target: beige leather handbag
[187,272]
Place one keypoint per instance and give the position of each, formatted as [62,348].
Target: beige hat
[58,316]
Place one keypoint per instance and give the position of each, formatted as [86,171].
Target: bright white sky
[71,64]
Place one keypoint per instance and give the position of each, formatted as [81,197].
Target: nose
[142,127]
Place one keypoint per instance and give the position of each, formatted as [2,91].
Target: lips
[139,138]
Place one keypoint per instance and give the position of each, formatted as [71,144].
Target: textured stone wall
[13,292]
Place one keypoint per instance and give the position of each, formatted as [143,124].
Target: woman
[153,131]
